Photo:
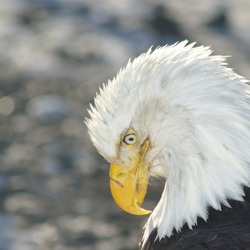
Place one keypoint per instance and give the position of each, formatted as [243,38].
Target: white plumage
[196,113]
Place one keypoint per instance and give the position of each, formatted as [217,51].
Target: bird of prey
[179,112]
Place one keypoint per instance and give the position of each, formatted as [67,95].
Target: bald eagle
[180,113]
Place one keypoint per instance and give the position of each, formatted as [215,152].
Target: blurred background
[54,54]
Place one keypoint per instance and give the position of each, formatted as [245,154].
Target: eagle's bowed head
[180,113]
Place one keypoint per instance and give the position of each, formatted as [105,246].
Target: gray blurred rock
[48,108]
[24,203]
[6,223]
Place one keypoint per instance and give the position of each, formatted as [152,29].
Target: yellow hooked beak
[129,186]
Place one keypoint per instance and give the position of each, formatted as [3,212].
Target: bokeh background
[54,54]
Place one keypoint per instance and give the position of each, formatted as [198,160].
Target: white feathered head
[181,113]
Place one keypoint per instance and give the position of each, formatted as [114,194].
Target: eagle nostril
[121,175]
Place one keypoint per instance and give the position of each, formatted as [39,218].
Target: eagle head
[180,113]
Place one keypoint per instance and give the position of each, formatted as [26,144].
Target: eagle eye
[130,139]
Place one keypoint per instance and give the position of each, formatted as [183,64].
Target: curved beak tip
[128,190]
[129,185]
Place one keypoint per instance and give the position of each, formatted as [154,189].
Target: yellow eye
[130,139]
